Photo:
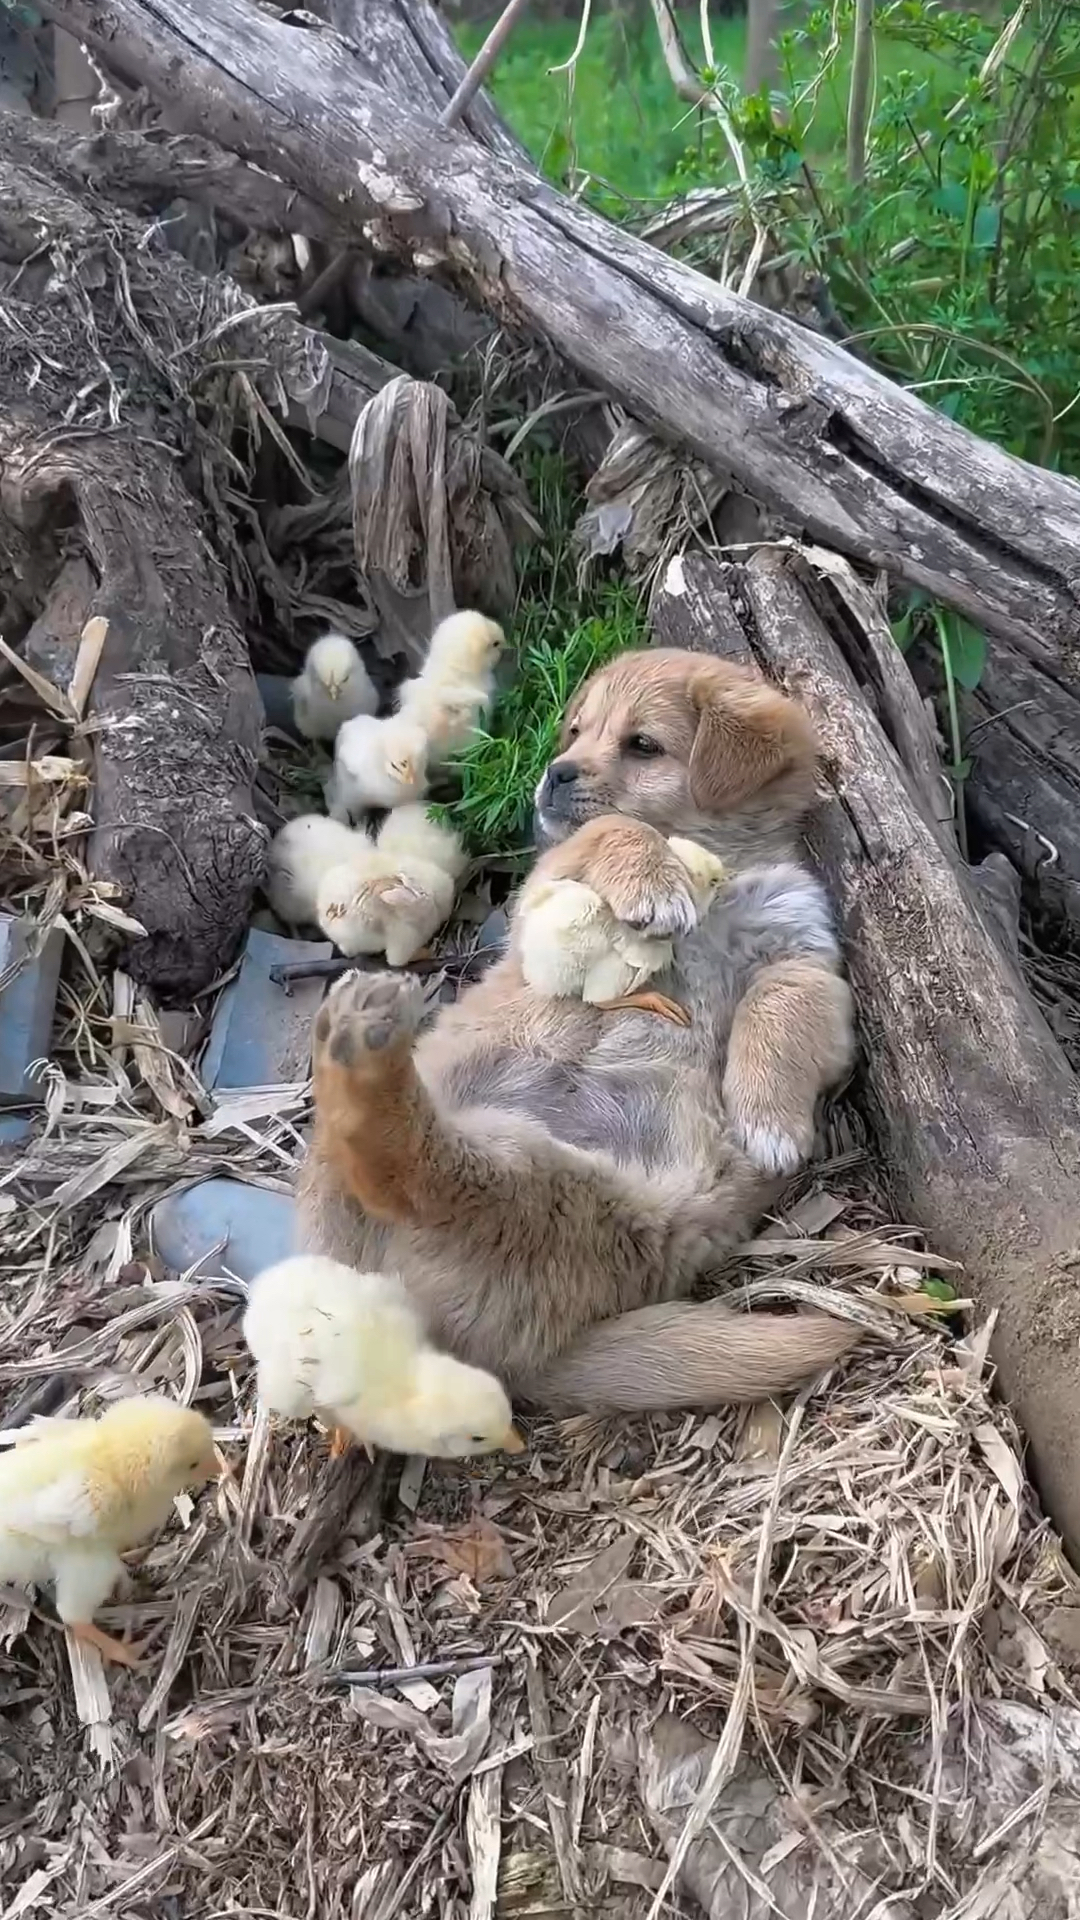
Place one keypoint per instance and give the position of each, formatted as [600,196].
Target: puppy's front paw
[364,1013]
[769,1147]
[662,913]
[774,1135]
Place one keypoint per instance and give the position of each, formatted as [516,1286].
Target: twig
[423,1670]
[690,87]
[860,92]
[325,282]
[570,66]
[553,1780]
[469,86]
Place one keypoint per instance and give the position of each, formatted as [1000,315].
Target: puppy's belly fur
[618,1100]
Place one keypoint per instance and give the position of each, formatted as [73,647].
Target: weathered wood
[174,712]
[147,173]
[973,1105]
[408,47]
[1021,733]
[87,473]
[809,429]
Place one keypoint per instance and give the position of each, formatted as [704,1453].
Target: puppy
[550,1178]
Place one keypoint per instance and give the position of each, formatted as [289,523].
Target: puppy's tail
[689,1354]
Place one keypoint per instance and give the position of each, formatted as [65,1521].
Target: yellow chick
[377,763]
[705,872]
[349,1347]
[455,687]
[392,898]
[334,687]
[300,855]
[571,945]
[75,1493]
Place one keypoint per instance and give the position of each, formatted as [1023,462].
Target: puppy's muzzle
[559,799]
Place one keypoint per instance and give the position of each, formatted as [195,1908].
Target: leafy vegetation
[560,636]
[948,240]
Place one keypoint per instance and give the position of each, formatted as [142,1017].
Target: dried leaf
[582,1606]
[750,1826]
[457,1752]
[478,1550]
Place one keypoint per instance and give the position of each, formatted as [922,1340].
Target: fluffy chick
[377,763]
[572,946]
[392,899]
[334,687]
[75,1493]
[300,855]
[705,872]
[350,1347]
[455,687]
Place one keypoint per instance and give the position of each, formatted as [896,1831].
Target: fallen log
[791,417]
[95,521]
[117,360]
[974,1107]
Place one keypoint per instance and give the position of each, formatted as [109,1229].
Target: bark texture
[95,520]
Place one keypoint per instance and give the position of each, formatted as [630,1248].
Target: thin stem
[956,771]
[860,96]
[568,66]
[472,81]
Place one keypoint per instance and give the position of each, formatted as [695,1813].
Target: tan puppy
[549,1178]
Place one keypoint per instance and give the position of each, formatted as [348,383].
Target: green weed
[559,637]
[499,774]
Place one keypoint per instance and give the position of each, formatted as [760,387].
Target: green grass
[617,117]
[559,637]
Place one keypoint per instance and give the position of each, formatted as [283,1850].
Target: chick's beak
[513,1442]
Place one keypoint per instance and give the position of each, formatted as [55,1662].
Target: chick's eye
[643,745]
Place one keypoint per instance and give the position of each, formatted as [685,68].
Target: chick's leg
[84,1578]
[123,1652]
[647,1001]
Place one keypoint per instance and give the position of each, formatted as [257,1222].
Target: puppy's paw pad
[769,1147]
[364,1012]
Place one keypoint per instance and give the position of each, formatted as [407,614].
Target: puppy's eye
[643,746]
[572,730]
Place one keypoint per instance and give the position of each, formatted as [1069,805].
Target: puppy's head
[675,738]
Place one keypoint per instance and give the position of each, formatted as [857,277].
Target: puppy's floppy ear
[748,735]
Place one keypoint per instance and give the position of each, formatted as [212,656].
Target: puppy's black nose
[562,773]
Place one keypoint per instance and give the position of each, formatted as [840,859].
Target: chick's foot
[122,1652]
